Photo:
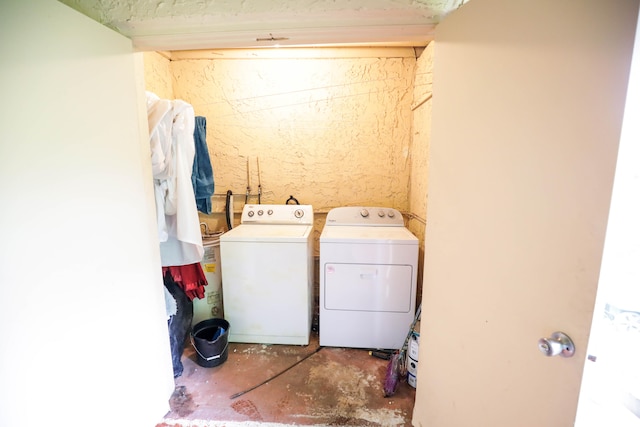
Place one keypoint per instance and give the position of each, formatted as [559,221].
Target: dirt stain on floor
[247,407]
[349,405]
[181,402]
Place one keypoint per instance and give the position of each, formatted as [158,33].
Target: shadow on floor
[331,387]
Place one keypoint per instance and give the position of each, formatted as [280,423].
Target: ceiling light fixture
[271,38]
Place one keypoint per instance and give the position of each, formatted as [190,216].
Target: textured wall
[421,134]
[331,132]
[157,75]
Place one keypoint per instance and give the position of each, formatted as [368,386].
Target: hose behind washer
[229,209]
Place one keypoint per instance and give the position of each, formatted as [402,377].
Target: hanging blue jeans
[202,174]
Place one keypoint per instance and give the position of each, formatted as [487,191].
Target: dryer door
[368,287]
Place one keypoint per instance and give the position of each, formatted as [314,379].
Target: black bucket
[210,339]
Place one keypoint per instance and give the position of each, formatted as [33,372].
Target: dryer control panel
[365,216]
[277,214]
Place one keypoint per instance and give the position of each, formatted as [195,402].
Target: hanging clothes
[179,324]
[202,173]
[171,128]
[170,303]
[190,278]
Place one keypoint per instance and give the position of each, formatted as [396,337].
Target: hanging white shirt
[171,125]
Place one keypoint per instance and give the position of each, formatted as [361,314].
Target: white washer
[267,275]
[368,276]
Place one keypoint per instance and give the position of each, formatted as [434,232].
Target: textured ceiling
[214,24]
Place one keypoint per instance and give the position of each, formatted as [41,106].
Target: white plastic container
[412,372]
[211,305]
[412,361]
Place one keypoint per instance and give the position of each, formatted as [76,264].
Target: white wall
[84,338]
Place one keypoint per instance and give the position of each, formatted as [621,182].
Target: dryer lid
[364,234]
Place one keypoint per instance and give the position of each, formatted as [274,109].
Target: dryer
[368,276]
[267,275]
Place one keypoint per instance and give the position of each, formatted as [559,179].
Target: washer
[267,275]
[368,275]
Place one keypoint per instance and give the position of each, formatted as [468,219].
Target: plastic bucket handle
[208,359]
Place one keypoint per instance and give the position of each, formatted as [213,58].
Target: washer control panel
[367,216]
[277,214]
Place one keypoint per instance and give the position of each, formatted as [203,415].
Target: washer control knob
[298,213]
[250,214]
[390,214]
[260,212]
[270,212]
[381,214]
[364,213]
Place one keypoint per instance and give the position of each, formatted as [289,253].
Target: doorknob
[558,344]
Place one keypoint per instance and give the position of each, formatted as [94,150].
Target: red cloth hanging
[190,278]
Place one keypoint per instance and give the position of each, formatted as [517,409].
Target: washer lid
[365,234]
[267,233]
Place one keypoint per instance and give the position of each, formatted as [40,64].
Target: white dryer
[267,275]
[368,276]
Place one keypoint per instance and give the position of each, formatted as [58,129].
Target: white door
[527,112]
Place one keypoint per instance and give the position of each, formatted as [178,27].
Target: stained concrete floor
[332,387]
